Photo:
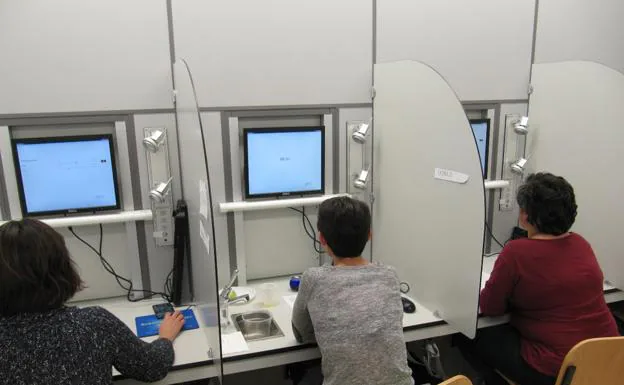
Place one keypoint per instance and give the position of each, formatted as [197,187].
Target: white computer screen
[284,162]
[66,175]
[481,134]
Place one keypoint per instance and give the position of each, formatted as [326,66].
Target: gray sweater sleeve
[132,356]
[301,321]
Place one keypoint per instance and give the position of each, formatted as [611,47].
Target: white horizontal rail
[125,216]
[495,184]
[231,207]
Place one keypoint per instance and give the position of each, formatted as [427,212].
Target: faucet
[226,301]
[225,292]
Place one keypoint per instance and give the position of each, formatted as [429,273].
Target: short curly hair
[549,203]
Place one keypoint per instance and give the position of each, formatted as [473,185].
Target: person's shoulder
[518,246]
[576,237]
[314,273]
[382,267]
[94,314]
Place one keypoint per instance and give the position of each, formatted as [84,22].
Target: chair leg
[505,378]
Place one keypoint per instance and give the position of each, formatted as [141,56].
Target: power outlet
[163,222]
[506,202]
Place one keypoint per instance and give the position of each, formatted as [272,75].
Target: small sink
[253,328]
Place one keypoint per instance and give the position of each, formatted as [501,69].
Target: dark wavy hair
[549,203]
[37,273]
[345,224]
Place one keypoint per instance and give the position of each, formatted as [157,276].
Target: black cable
[128,286]
[487,226]
[309,229]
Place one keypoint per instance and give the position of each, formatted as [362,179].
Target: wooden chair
[592,362]
[457,380]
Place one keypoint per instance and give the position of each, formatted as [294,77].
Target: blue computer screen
[481,134]
[284,162]
[69,175]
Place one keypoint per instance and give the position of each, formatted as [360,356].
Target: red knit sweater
[553,291]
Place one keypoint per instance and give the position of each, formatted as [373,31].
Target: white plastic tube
[495,184]
[274,204]
[125,216]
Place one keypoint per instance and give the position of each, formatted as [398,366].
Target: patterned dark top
[77,346]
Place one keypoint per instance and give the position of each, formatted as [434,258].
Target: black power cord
[309,229]
[123,282]
[489,229]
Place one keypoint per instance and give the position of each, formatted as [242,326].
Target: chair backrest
[597,361]
[457,380]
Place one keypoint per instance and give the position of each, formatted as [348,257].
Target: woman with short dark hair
[551,285]
[42,341]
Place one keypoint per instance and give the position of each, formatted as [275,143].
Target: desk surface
[193,362]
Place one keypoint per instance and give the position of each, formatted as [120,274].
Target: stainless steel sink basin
[254,325]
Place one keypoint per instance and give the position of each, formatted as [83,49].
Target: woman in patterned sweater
[42,341]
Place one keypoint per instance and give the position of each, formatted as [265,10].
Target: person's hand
[171,326]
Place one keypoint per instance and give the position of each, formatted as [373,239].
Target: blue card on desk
[148,325]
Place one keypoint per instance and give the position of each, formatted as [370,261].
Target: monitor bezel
[486,169]
[64,139]
[283,194]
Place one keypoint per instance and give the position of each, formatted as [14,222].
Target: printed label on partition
[450,175]
[203,199]
[204,236]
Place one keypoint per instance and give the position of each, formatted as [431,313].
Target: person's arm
[301,321]
[131,356]
[494,300]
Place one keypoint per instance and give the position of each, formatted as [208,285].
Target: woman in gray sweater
[44,342]
[352,308]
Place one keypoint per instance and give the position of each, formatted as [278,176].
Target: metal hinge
[174,96]
[530,89]
[373,93]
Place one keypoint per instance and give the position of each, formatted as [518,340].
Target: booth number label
[450,175]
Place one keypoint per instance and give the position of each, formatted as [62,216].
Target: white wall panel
[482,47]
[581,30]
[276,52]
[75,55]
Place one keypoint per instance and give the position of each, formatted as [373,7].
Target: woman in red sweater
[551,285]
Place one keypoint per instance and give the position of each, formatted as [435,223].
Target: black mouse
[408,306]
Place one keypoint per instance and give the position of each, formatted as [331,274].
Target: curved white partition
[429,206]
[578,127]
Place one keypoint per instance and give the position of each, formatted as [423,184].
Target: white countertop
[191,347]
[282,314]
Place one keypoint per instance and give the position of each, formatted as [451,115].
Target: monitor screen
[284,161]
[481,131]
[66,174]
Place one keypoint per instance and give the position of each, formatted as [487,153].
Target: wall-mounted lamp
[361,180]
[153,142]
[360,132]
[159,194]
[521,127]
[519,165]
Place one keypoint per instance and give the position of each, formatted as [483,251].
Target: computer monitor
[481,131]
[284,161]
[61,175]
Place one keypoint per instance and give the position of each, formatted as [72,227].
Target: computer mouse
[408,306]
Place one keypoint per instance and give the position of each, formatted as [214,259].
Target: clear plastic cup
[269,294]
